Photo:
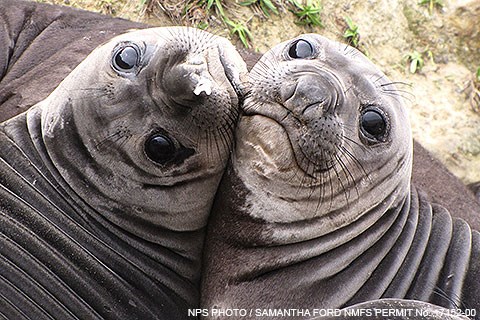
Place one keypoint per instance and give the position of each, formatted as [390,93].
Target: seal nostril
[186,84]
[314,107]
[311,94]
[321,106]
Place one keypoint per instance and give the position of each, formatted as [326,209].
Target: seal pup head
[142,128]
[325,134]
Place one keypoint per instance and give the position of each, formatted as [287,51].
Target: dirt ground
[440,96]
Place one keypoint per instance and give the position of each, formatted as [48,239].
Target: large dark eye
[300,49]
[373,124]
[160,148]
[125,59]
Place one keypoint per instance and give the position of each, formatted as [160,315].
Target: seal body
[40,44]
[106,185]
[317,208]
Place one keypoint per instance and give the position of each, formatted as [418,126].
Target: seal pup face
[142,128]
[324,131]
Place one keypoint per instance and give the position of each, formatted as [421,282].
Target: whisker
[339,180]
[349,174]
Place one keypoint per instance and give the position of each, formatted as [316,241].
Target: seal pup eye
[373,124]
[160,148]
[125,59]
[300,49]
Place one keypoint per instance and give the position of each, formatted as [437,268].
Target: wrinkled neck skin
[91,132]
[283,234]
[287,218]
[160,272]
[316,209]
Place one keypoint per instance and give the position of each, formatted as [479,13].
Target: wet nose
[312,95]
[186,82]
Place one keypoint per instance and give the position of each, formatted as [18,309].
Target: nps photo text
[300,313]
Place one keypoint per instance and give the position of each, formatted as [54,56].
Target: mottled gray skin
[313,212]
[90,226]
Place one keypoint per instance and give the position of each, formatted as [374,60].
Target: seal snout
[187,81]
[311,96]
[313,99]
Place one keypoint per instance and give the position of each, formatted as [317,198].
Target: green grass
[265,5]
[307,14]
[236,28]
[241,31]
[474,91]
[415,60]
[351,34]
[431,4]
[209,4]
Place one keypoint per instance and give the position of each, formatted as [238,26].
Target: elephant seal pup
[316,209]
[106,185]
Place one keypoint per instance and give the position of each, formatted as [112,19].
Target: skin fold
[43,43]
[317,207]
[107,184]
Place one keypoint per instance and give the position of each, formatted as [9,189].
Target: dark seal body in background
[317,207]
[40,44]
[106,185]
